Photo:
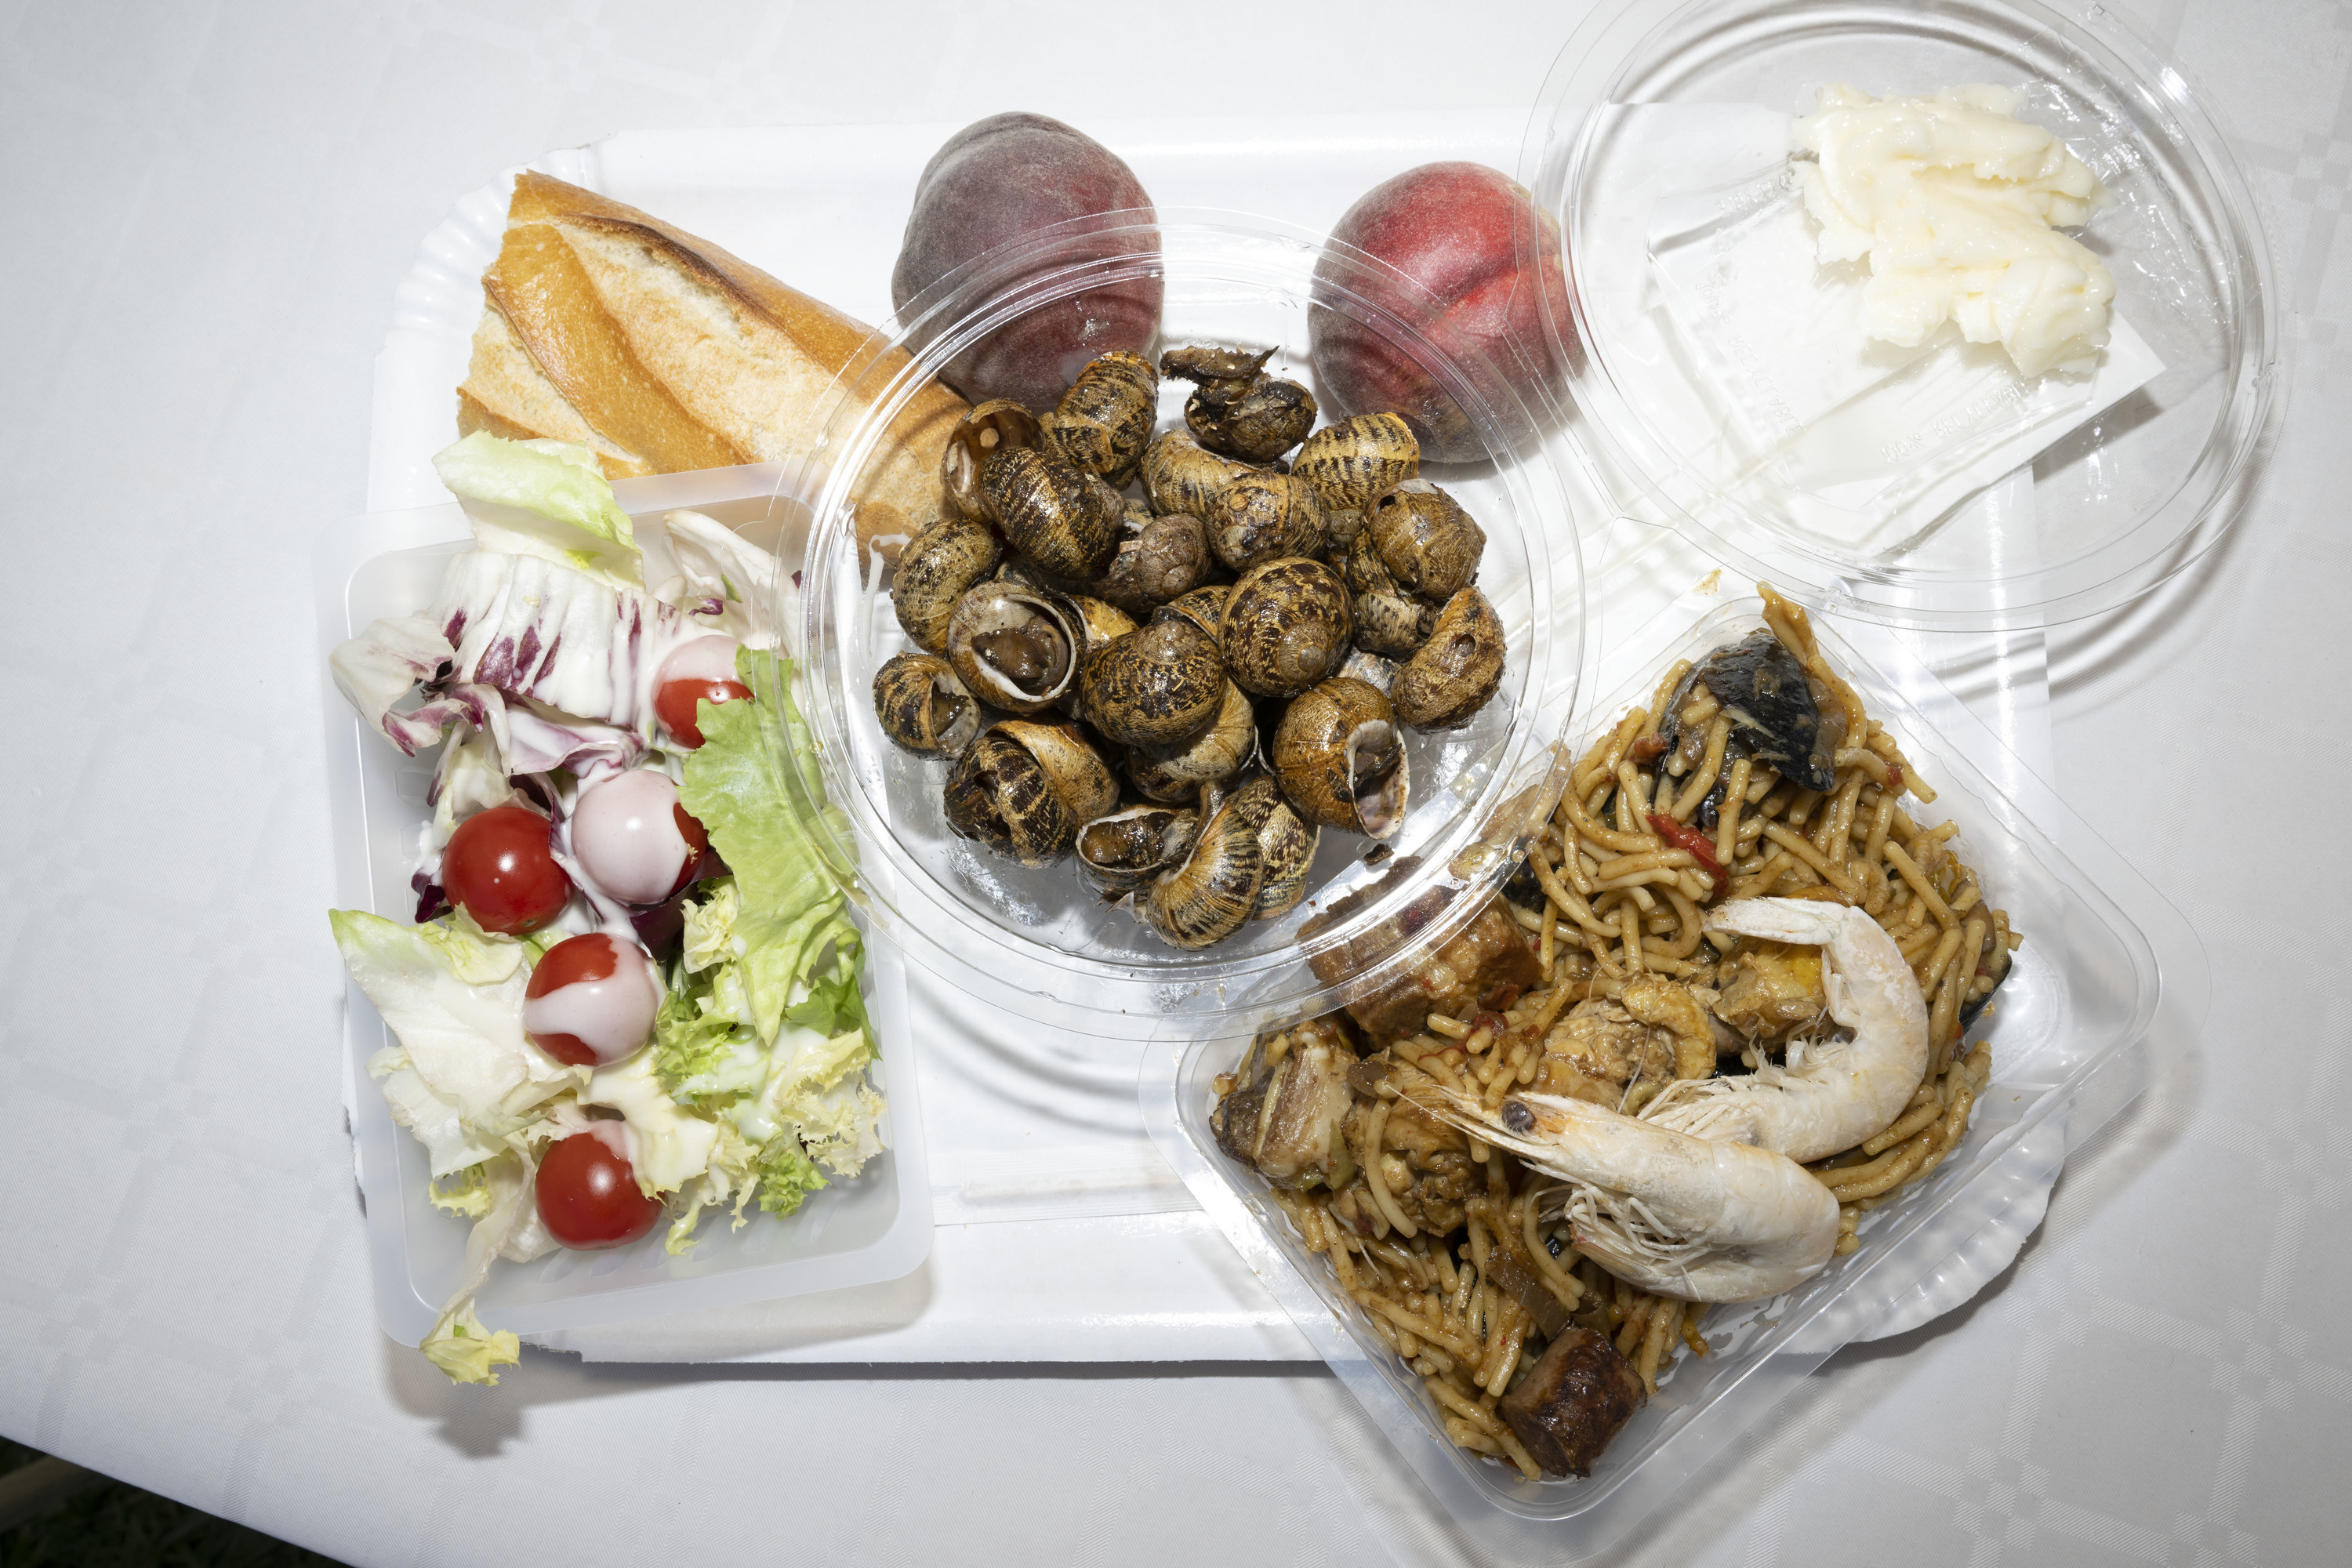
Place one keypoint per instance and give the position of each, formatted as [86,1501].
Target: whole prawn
[1676,1215]
[1832,1094]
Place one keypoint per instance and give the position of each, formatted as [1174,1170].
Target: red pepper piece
[1700,847]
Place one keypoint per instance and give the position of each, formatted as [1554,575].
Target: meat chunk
[1424,1163]
[1572,1402]
[1774,988]
[1620,1051]
[1288,1122]
[1486,966]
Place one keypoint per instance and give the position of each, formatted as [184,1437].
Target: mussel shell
[1214,891]
[936,568]
[1776,720]
[992,428]
[1156,687]
[1103,422]
[1118,851]
[923,707]
[1063,519]
[1165,560]
[1354,463]
[1340,759]
[1430,546]
[1287,625]
[1002,627]
[1260,517]
[1287,846]
[1203,606]
[999,795]
[1180,476]
[1457,670]
[1216,753]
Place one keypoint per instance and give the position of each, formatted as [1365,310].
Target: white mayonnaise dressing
[708,658]
[1957,205]
[624,834]
[613,1017]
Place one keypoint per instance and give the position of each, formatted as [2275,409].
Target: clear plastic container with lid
[1039,941]
[1943,491]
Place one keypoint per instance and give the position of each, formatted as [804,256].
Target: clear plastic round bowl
[1623,150]
[1039,941]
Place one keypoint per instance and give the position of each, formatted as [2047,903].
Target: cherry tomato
[699,670]
[591,1001]
[587,1191]
[632,838]
[498,869]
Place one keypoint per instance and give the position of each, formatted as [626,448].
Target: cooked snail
[1287,846]
[1118,851]
[1215,754]
[1238,409]
[1052,513]
[1102,424]
[1214,891]
[1429,543]
[1022,789]
[1166,557]
[1354,463]
[934,571]
[1156,687]
[923,707]
[1286,628]
[1388,620]
[1204,607]
[1017,646]
[989,429]
[1340,760]
[1260,517]
[1180,476]
[1339,530]
[1456,671]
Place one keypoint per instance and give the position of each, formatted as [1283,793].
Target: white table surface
[209,207]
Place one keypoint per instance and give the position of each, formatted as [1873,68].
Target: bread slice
[661,353]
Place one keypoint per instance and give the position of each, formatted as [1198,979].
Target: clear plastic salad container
[874,1228]
[1941,492]
[1040,943]
[2101,948]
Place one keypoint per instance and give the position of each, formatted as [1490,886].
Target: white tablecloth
[210,206]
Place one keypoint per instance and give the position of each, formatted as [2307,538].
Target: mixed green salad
[629,994]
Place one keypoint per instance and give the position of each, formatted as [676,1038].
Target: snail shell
[934,571]
[1287,844]
[1340,759]
[1339,530]
[1203,606]
[1213,893]
[1389,621]
[1204,365]
[1266,418]
[1457,670]
[1260,517]
[1017,646]
[1022,790]
[1156,687]
[1355,462]
[1118,851]
[923,707]
[1167,558]
[1215,754]
[1429,543]
[1286,628]
[1103,423]
[1052,513]
[1179,477]
[992,428]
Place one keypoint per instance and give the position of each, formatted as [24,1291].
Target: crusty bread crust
[661,353]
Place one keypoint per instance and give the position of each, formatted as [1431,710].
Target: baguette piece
[661,353]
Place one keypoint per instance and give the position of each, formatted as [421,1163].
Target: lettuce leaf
[787,1175]
[541,497]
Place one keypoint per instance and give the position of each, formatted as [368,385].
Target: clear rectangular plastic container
[2065,1032]
[876,1227]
